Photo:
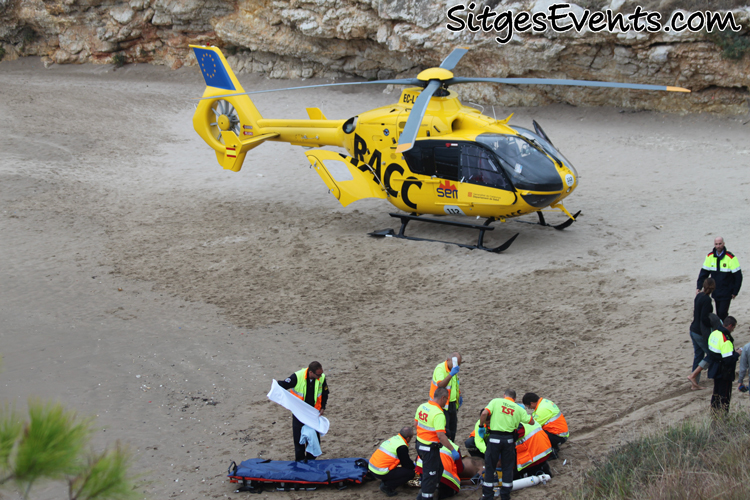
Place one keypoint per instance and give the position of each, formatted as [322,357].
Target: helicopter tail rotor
[228,123]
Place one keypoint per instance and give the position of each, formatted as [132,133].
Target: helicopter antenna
[479,105]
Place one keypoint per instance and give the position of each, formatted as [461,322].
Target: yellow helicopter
[426,154]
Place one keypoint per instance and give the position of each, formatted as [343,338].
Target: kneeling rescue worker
[504,415]
[533,448]
[475,445]
[450,480]
[431,436]
[391,462]
[550,417]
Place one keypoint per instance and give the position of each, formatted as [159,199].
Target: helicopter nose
[539,200]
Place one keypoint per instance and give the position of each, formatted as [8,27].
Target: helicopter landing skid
[559,227]
[480,227]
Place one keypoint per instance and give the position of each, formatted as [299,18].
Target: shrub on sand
[700,458]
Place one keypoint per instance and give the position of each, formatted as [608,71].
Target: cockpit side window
[479,167]
[447,162]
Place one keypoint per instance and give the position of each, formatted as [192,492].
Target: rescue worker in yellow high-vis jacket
[430,421]
[475,445]
[503,416]
[550,417]
[445,375]
[391,462]
[310,385]
[450,480]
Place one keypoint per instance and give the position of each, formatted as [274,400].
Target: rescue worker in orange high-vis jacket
[391,462]
[430,421]
[445,375]
[549,415]
[503,416]
[450,480]
[310,385]
[533,448]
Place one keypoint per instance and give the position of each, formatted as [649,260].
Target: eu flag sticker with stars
[213,69]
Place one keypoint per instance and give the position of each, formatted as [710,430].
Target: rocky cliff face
[396,38]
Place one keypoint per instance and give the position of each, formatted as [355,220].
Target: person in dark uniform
[722,370]
[310,385]
[503,416]
[724,267]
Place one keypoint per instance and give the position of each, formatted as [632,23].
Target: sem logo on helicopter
[447,190]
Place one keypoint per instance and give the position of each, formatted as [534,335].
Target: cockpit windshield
[526,164]
[546,145]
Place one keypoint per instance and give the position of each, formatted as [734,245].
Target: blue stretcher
[287,475]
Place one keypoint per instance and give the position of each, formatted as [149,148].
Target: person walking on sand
[445,375]
[700,329]
[724,267]
[310,385]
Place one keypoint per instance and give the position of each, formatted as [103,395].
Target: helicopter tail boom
[228,123]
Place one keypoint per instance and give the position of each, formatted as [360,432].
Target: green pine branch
[52,446]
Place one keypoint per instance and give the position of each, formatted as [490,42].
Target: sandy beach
[143,285]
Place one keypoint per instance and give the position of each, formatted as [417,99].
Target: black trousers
[532,470]
[445,491]
[722,308]
[471,447]
[299,449]
[555,440]
[499,447]
[432,469]
[396,477]
[722,395]
[451,420]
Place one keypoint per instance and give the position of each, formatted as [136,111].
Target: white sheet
[305,413]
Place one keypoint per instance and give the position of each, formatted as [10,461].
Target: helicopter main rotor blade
[450,62]
[400,81]
[409,135]
[572,83]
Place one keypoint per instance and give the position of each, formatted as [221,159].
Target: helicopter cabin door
[349,180]
[464,175]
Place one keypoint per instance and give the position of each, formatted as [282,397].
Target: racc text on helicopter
[426,154]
